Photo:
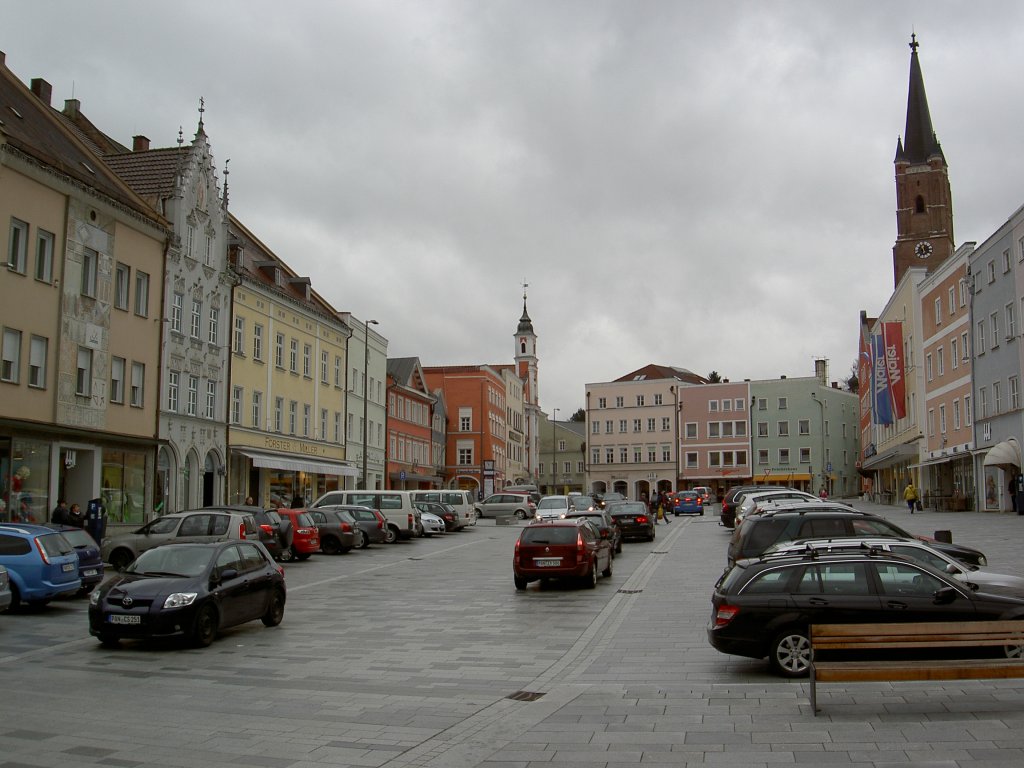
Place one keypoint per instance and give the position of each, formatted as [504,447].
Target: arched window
[919,205]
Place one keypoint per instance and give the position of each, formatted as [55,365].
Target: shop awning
[295,464]
[892,456]
[1004,454]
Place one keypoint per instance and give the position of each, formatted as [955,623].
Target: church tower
[924,202]
[526,369]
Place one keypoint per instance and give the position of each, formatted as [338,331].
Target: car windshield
[562,534]
[54,544]
[161,525]
[628,508]
[304,519]
[181,560]
[78,538]
[551,504]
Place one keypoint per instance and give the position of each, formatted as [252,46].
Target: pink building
[714,435]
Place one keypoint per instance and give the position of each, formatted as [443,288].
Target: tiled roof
[150,173]
[654,372]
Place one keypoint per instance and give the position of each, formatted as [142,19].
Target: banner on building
[881,397]
[892,337]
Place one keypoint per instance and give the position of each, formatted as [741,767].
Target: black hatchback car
[634,519]
[765,607]
[793,521]
[193,590]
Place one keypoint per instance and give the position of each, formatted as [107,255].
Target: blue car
[90,564]
[40,563]
[687,503]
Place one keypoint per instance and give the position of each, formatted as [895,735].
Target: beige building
[81,332]
[289,358]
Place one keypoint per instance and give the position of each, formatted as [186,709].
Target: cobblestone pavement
[406,656]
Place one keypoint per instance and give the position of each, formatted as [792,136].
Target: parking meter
[96,519]
[1019,486]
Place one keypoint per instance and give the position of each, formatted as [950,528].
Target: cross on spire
[913,42]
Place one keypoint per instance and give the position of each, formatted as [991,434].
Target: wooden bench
[940,635]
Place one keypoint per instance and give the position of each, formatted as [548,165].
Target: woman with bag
[910,495]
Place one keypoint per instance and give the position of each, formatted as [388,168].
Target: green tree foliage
[714,377]
[580,415]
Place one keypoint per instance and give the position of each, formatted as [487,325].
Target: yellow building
[81,320]
[288,382]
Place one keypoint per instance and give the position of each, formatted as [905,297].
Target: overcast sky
[700,184]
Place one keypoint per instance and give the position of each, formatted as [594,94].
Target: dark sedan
[338,533]
[765,607]
[605,524]
[371,525]
[191,590]
[90,564]
[634,519]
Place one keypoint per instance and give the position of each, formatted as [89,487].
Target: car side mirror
[226,574]
[945,596]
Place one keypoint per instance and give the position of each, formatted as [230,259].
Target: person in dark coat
[61,515]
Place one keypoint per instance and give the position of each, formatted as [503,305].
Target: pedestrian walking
[910,495]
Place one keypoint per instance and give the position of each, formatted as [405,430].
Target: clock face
[923,250]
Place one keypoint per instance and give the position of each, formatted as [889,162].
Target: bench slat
[884,671]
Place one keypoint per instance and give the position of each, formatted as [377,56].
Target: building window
[979,345]
[465,457]
[141,294]
[784,456]
[197,319]
[172,391]
[307,361]
[622,426]
[620,402]
[90,264]
[965,354]
[712,406]
[83,372]
[337,371]
[938,311]
[997,397]
[940,361]
[465,419]
[637,424]
[804,426]
[278,413]
[323,424]
[952,301]
[595,427]
[192,403]
[609,455]
[994,319]
[306,417]
[657,399]
[992,271]
[783,403]
[1006,261]
[1011,322]
[257,342]
[138,382]
[118,366]
[762,429]
[1014,393]
[279,350]
[741,428]
[323,367]
[293,355]
[177,302]
[954,358]
[652,454]
[17,247]
[714,458]
[122,274]
[37,362]
[968,415]
[257,410]
[691,459]
[623,455]
[783,429]
[691,430]
[214,325]
[741,458]
[962,292]
[762,404]
[602,402]
[44,256]
[236,405]
[239,335]
[727,405]
[983,402]
[609,427]
[713,429]
[337,426]
[595,455]
[640,400]
[293,415]
[942,418]
[666,453]
[211,399]
[805,455]
[11,367]
[665,423]
[762,456]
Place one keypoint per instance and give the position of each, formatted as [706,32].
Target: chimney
[782,377]
[72,107]
[42,89]
[821,371]
[140,143]
[3,58]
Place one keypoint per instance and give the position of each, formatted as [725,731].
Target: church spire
[919,140]
[525,323]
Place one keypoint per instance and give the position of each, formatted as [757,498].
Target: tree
[714,377]
[580,415]
[852,382]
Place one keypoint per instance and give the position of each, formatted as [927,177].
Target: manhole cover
[524,696]
[630,591]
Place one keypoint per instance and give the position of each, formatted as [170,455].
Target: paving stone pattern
[405,656]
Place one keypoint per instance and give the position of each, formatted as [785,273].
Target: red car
[306,539]
[567,549]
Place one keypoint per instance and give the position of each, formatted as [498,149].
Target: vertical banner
[881,398]
[892,336]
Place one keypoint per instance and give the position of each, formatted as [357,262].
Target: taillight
[581,548]
[410,520]
[42,552]
[642,519]
[700,501]
[280,569]
[516,554]
[266,528]
[380,525]
[241,530]
[346,528]
[725,614]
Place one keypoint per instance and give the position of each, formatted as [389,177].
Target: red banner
[892,340]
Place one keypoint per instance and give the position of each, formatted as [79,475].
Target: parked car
[634,520]
[530,490]
[504,504]
[431,523]
[730,501]
[371,525]
[275,532]
[90,564]
[754,501]
[554,508]
[561,549]
[41,564]
[447,514]
[396,506]
[610,498]
[707,496]
[197,525]
[338,532]
[765,607]
[607,527]
[306,537]
[462,502]
[5,590]
[194,590]
[686,503]
[908,547]
[810,520]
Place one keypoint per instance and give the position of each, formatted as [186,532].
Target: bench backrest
[930,634]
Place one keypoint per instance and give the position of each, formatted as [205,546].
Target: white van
[461,501]
[396,506]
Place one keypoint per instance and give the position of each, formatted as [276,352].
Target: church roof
[919,140]
[525,323]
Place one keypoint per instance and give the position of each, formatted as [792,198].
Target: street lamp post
[554,461]
[366,394]
[824,463]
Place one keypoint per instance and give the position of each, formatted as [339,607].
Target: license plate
[629,519]
[553,562]
[124,618]
[89,572]
[68,567]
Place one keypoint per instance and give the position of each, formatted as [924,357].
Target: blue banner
[881,397]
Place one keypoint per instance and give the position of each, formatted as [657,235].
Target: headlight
[94,597]
[180,599]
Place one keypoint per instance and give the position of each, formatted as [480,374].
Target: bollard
[944,536]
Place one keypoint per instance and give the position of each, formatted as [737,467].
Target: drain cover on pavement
[524,696]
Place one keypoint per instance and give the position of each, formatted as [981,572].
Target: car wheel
[85,590]
[302,555]
[520,582]
[362,540]
[521,514]
[390,535]
[330,545]
[275,611]
[618,547]
[285,555]
[650,536]
[345,550]
[590,580]
[206,626]
[790,653]
[120,559]
[607,572]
